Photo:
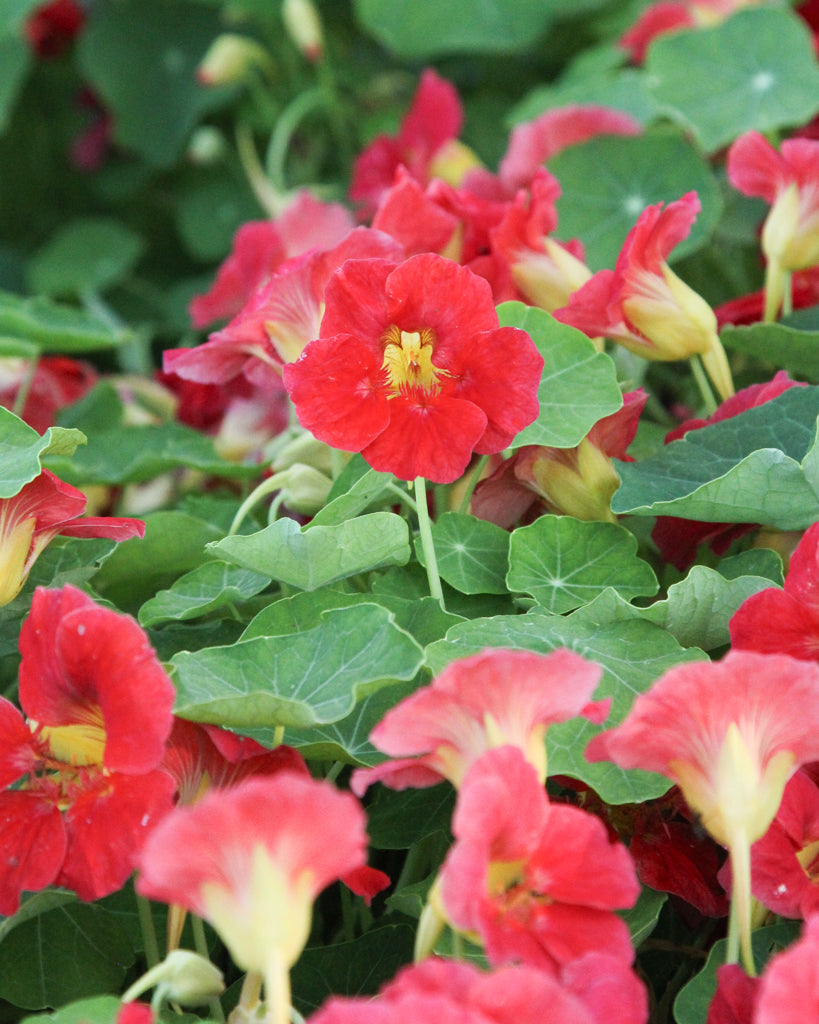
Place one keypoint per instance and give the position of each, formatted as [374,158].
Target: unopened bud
[231,58]
[306,489]
[183,977]
[302,21]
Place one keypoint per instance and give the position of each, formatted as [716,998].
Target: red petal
[32,845]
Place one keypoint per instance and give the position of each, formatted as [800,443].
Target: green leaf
[642,917]
[204,589]
[564,562]
[692,1003]
[472,555]
[120,41]
[62,954]
[756,70]
[312,558]
[56,328]
[699,608]
[425,28]
[396,820]
[761,466]
[84,256]
[298,680]
[356,968]
[578,386]
[356,488]
[633,655]
[606,184]
[22,448]
[618,89]
[778,346]
[96,1010]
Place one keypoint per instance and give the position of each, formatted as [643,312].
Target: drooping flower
[426,144]
[251,860]
[789,181]
[495,698]
[678,539]
[730,734]
[412,370]
[576,481]
[644,306]
[42,509]
[786,620]
[83,766]
[260,247]
[454,992]
[535,882]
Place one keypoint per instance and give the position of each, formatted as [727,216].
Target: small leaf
[312,558]
[56,328]
[21,449]
[756,70]
[472,555]
[84,255]
[204,589]
[300,680]
[578,386]
[642,917]
[761,466]
[777,345]
[564,562]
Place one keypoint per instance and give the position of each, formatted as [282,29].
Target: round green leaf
[84,256]
[607,183]
[472,555]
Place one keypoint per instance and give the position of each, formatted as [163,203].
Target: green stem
[474,477]
[700,377]
[787,294]
[273,483]
[286,124]
[200,943]
[425,530]
[146,927]
[402,496]
[266,195]
[739,921]
[277,990]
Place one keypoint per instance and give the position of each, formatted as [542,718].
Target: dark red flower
[412,370]
[51,27]
[58,381]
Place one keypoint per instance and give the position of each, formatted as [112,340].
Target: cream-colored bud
[230,58]
[183,977]
[302,22]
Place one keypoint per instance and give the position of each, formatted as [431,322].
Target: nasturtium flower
[730,734]
[412,370]
[784,620]
[535,882]
[789,987]
[42,509]
[251,859]
[491,699]
[644,306]
[789,181]
[82,773]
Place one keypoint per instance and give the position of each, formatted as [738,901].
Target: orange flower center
[408,359]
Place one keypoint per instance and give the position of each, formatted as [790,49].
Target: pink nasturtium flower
[789,181]
[730,734]
[412,369]
[42,509]
[495,698]
[251,860]
[451,992]
[81,770]
[789,987]
[785,620]
[644,306]
[535,882]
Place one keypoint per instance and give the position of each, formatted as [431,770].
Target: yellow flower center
[80,744]
[408,359]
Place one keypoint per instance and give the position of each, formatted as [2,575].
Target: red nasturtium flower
[251,860]
[42,509]
[785,621]
[81,770]
[789,988]
[495,698]
[644,306]
[412,370]
[536,882]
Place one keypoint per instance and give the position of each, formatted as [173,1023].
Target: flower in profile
[251,859]
[576,481]
[730,734]
[57,381]
[81,770]
[412,369]
[494,698]
[452,992]
[789,181]
[644,306]
[535,882]
[42,509]
[789,987]
[426,144]
[784,620]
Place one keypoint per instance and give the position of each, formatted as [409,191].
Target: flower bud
[183,977]
[302,22]
[306,489]
[230,58]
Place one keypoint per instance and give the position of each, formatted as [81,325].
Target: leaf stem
[707,394]
[425,531]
